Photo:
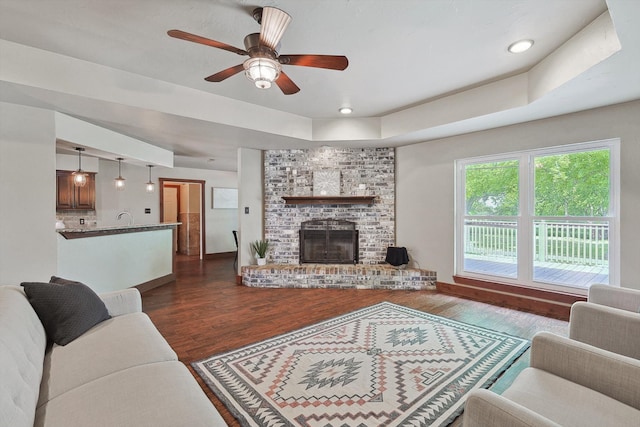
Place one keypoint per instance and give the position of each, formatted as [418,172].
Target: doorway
[182,200]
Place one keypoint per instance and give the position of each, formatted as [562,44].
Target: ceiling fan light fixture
[262,71]
[273,24]
[520,46]
[264,65]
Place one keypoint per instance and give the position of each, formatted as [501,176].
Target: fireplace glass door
[328,242]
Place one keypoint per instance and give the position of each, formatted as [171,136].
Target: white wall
[69,162]
[250,195]
[425,181]
[218,222]
[27,194]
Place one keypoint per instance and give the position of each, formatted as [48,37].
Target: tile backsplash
[72,218]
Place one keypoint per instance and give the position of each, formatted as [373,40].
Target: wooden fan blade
[286,85]
[225,74]
[178,34]
[272,25]
[332,62]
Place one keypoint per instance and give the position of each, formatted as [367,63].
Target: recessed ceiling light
[520,46]
[346,110]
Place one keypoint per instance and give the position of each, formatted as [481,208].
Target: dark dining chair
[235,237]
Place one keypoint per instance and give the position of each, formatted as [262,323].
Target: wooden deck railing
[577,243]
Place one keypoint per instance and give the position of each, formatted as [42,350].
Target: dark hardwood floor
[204,312]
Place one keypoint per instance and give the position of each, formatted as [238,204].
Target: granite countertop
[93,230]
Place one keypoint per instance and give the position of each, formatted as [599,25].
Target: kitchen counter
[109,258]
[93,231]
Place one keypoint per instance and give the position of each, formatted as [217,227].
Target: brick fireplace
[366,200]
[363,171]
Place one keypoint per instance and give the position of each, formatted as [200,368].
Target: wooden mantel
[329,200]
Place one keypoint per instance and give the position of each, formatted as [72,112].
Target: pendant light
[79,176]
[119,181]
[151,187]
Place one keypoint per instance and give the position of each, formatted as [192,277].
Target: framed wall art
[224,198]
[326,183]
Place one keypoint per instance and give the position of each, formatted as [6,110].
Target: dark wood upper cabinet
[64,191]
[70,197]
[86,196]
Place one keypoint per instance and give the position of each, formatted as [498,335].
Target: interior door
[170,208]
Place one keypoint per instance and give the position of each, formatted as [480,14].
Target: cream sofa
[121,372]
[569,383]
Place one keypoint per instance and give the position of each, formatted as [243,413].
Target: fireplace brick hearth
[341,276]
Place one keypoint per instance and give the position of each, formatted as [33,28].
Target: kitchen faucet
[121,214]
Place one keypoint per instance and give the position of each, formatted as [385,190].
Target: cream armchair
[610,320]
[569,383]
[622,298]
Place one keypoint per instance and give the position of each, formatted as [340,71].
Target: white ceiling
[413,68]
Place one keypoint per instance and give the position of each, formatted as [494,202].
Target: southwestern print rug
[385,365]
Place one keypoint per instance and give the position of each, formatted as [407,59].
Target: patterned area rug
[385,365]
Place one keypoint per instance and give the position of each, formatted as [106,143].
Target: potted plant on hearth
[260,248]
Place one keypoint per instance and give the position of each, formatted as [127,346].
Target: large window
[544,218]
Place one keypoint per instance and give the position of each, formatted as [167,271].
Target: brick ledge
[359,276]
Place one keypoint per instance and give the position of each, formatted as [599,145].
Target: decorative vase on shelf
[262,261]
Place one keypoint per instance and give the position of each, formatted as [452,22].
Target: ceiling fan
[264,65]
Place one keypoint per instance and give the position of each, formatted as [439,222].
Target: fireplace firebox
[328,241]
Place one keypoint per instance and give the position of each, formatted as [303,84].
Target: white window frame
[526,218]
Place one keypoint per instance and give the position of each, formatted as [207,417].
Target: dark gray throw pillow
[67,309]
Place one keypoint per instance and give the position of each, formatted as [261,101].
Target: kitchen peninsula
[117,257]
